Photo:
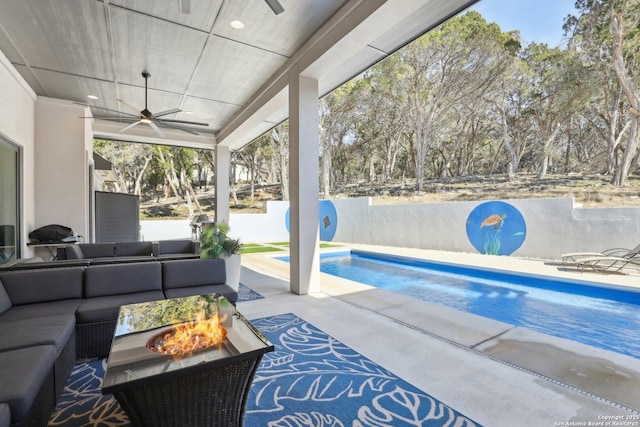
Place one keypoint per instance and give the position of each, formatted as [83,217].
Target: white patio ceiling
[234,80]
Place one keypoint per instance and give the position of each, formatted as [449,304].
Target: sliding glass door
[9,202]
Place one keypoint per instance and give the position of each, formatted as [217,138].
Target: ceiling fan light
[145,120]
[237,24]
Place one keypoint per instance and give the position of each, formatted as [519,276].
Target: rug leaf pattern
[247,294]
[310,380]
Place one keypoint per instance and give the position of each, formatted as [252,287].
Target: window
[9,205]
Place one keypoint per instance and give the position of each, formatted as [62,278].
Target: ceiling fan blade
[185,122]
[169,125]
[114,111]
[129,127]
[164,113]
[185,7]
[275,6]
[129,106]
[111,118]
[156,128]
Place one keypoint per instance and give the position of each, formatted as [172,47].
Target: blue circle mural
[327,220]
[496,228]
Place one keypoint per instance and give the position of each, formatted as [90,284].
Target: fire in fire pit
[186,338]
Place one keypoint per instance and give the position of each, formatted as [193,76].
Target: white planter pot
[232,267]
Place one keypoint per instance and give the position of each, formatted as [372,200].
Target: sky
[539,21]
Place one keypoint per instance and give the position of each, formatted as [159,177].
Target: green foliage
[215,241]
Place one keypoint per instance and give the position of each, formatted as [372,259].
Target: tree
[511,102]
[458,61]
[625,71]
[378,120]
[252,157]
[280,137]
[607,32]
[130,162]
[557,94]
[335,113]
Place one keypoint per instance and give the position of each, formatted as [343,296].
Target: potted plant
[216,243]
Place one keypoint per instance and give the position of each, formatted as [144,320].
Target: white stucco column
[223,162]
[303,174]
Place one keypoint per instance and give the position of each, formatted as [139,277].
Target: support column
[303,174]
[223,163]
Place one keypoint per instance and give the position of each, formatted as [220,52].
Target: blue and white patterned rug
[247,294]
[311,379]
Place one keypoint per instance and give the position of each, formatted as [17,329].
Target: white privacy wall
[553,226]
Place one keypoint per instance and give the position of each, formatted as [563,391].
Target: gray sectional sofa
[105,253]
[55,314]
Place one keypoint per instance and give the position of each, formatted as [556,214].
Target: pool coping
[599,373]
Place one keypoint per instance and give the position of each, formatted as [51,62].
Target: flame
[184,339]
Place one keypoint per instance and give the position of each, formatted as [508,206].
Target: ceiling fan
[147,117]
[276,7]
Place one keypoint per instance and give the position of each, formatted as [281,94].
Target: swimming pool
[603,317]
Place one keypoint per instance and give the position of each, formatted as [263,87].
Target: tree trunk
[326,171]
[514,162]
[612,140]
[191,194]
[630,90]
[278,135]
[252,179]
[232,181]
[170,173]
[546,156]
[137,189]
[372,169]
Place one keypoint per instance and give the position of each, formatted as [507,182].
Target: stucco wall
[553,226]
[550,226]
[17,117]
[64,148]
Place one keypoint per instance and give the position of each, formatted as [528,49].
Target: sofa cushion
[22,374]
[73,252]
[43,309]
[35,286]
[5,415]
[58,263]
[100,309]
[5,301]
[98,250]
[50,330]
[175,246]
[223,289]
[122,260]
[129,249]
[180,246]
[193,272]
[117,279]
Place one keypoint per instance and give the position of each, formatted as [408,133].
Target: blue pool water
[603,317]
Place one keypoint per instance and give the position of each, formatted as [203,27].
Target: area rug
[311,379]
[247,294]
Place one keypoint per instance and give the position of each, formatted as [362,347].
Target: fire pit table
[158,384]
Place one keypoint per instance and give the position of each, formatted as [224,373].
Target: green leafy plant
[215,241]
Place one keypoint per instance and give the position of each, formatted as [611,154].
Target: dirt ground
[589,191]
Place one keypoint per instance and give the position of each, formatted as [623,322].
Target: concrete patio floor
[496,374]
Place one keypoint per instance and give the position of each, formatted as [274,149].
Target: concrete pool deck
[495,373]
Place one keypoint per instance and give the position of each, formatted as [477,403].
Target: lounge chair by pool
[610,264]
[575,257]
